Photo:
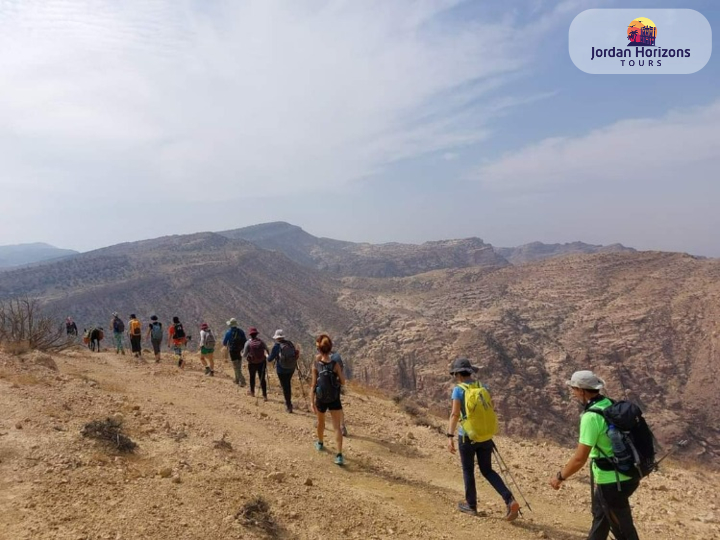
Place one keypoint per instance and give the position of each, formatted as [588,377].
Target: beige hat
[279,334]
[586,379]
[232,322]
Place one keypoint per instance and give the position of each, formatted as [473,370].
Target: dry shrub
[255,514]
[24,327]
[109,433]
[223,444]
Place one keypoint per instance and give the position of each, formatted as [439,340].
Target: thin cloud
[643,151]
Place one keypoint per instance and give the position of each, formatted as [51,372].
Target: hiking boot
[465,507]
[343,430]
[513,509]
[339,460]
[319,446]
[207,370]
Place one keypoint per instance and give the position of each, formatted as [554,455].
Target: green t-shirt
[593,432]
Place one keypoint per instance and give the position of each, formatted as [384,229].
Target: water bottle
[621,452]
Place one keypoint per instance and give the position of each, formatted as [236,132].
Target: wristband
[450,435]
[560,476]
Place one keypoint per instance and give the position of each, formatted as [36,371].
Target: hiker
[610,498]
[118,327]
[255,352]
[235,340]
[135,333]
[475,434]
[287,356]
[177,340]
[155,335]
[337,358]
[207,349]
[70,327]
[327,380]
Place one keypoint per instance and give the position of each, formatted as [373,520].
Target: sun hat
[204,326]
[279,334]
[115,314]
[461,365]
[253,330]
[232,322]
[154,318]
[586,380]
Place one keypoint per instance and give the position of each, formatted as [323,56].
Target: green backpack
[478,420]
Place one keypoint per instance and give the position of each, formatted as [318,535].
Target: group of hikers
[327,371]
[613,435]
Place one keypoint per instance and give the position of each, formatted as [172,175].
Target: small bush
[109,432]
[255,514]
[23,327]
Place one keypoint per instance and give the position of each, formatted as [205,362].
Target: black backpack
[632,441]
[179,331]
[327,389]
[288,355]
[118,325]
[237,339]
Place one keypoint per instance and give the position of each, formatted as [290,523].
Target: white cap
[586,379]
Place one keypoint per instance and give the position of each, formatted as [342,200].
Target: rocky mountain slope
[201,277]
[537,251]
[648,322]
[21,254]
[370,260]
[212,462]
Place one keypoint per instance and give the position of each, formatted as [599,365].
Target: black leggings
[260,370]
[286,383]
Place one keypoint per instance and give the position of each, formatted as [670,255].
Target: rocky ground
[212,462]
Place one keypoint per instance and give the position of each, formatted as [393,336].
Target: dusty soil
[212,462]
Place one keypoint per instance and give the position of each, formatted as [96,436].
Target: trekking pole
[679,444]
[510,474]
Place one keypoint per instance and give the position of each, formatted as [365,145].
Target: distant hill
[341,258]
[537,251]
[20,254]
[198,277]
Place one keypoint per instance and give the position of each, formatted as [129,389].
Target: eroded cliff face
[647,322]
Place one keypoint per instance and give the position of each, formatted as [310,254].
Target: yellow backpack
[478,420]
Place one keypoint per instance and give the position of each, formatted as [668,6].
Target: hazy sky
[358,120]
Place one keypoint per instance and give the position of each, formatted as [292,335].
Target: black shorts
[332,406]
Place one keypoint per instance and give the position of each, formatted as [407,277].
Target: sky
[368,121]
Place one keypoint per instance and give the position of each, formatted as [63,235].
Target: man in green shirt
[610,501]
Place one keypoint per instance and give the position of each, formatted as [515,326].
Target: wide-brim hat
[232,322]
[154,318]
[586,380]
[279,334]
[204,326]
[253,330]
[461,365]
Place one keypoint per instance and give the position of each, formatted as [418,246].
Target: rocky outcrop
[649,323]
[537,251]
[369,260]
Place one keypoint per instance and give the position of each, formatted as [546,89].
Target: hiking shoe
[343,430]
[251,393]
[513,509]
[319,446]
[466,508]
[212,372]
[288,410]
[207,370]
[339,460]
[264,398]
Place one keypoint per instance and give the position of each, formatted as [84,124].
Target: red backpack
[256,351]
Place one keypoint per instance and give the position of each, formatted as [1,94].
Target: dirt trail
[207,449]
